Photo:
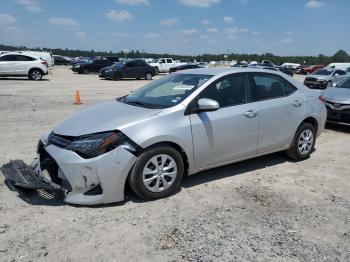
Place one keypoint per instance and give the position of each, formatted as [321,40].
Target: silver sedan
[183,123]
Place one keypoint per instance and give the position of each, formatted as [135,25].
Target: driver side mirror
[336,74]
[206,104]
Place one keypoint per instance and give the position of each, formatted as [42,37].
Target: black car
[128,69]
[60,60]
[93,65]
[184,67]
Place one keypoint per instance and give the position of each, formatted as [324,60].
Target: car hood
[106,116]
[341,95]
[319,76]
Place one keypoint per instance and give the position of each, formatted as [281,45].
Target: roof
[225,70]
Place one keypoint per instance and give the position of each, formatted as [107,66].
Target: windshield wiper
[140,103]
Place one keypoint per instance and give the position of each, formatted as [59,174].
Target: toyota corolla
[181,124]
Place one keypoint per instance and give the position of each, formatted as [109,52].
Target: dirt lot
[267,209]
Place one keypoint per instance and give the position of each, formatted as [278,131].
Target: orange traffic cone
[77,98]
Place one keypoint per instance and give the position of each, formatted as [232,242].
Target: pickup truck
[163,65]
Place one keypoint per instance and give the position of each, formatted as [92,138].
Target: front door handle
[250,114]
[297,103]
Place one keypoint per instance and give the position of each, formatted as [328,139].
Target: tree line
[340,56]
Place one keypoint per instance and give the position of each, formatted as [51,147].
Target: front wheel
[303,142]
[148,76]
[157,173]
[35,75]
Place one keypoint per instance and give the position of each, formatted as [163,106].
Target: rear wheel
[303,142]
[157,173]
[35,74]
[148,76]
[86,71]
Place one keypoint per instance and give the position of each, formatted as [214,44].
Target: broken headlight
[93,145]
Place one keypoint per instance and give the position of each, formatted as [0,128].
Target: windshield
[167,91]
[323,72]
[119,64]
[344,84]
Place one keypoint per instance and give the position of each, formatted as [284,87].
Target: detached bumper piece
[23,178]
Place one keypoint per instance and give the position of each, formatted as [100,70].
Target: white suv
[16,64]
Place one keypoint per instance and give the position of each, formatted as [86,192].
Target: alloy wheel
[36,75]
[305,142]
[159,173]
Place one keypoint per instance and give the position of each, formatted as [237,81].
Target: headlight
[108,70]
[77,66]
[321,79]
[97,144]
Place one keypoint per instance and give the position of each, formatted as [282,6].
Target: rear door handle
[297,103]
[250,114]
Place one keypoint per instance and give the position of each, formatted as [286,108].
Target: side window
[265,86]
[24,58]
[139,64]
[130,64]
[162,61]
[9,58]
[169,61]
[339,72]
[228,91]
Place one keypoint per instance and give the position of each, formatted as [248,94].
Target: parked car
[131,69]
[284,70]
[183,123]
[342,66]
[323,78]
[184,67]
[46,56]
[17,64]
[163,65]
[337,100]
[60,60]
[93,65]
[310,69]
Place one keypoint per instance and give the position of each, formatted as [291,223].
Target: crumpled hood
[102,117]
[341,95]
[319,76]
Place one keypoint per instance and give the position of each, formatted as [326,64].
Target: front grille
[58,140]
[97,190]
[310,79]
[337,105]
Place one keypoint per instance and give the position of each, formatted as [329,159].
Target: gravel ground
[265,209]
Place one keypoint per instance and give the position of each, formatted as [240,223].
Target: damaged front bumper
[98,180]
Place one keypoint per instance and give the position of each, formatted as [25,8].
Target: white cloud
[205,22]
[6,19]
[287,40]
[256,33]
[133,2]
[168,22]
[63,21]
[200,3]
[229,19]
[204,37]
[190,31]
[314,4]
[152,35]
[81,34]
[235,30]
[119,16]
[31,5]
[212,30]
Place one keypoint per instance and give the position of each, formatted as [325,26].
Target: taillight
[322,99]
[45,63]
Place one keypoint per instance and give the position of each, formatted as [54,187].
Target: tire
[157,70]
[303,142]
[86,71]
[117,77]
[147,180]
[148,76]
[35,74]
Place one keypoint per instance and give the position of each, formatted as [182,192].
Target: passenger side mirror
[206,104]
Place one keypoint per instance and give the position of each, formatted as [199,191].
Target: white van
[47,56]
[342,66]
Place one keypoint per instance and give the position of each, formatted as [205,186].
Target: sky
[189,27]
